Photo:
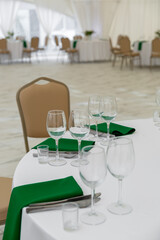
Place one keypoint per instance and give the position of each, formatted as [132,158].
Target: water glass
[43,153]
[70,216]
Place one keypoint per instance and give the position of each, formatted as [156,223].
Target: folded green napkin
[140,45]
[115,129]
[74,43]
[32,193]
[64,144]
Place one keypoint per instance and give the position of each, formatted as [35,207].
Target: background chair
[5,190]
[127,52]
[116,51]
[33,47]
[155,50]
[77,37]
[3,48]
[34,100]
[66,46]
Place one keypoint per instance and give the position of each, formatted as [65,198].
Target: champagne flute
[56,127]
[109,112]
[120,162]
[93,170]
[94,111]
[79,128]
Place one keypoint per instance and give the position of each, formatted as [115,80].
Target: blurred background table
[16,48]
[93,50]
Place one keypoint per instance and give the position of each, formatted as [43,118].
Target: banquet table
[141,190]
[93,50]
[145,53]
[16,48]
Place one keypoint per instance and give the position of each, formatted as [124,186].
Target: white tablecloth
[16,49]
[141,190]
[93,50]
[145,53]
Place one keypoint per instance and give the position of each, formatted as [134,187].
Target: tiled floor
[135,92]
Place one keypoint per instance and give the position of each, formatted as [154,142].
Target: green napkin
[140,45]
[74,43]
[32,193]
[24,44]
[64,144]
[115,129]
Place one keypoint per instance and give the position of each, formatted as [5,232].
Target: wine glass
[120,162]
[158,96]
[94,111]
[93,170]
[79,128]
[56,127]
[109,112]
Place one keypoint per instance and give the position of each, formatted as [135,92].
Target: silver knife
[77,198]
[81,203]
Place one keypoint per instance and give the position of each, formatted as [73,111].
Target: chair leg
[131,63]
[114,60]
[151,63]
[122,62]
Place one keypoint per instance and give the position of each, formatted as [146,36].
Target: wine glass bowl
[120,163]
[93,170]
[79,128]
[56,127]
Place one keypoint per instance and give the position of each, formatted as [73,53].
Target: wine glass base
[93,219]
[120,209]
[57,163]
[75,163]
[106,140]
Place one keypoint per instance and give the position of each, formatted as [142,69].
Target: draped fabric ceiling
[139,19]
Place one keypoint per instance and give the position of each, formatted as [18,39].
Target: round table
[16,48]
[93,50]
[141,191]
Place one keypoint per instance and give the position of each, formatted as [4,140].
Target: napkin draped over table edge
[116,129]
[24,195]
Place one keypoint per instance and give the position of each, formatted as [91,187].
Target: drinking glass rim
[56,112]
[126,141]
[92,146]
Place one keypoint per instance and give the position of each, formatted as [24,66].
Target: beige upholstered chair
[5,190]
[3,48]
[77,37]
[66,46]
[35,100]
[33,47]
[155,49]
[127,52]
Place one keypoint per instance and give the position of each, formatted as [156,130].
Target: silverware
[65,154]
[100,134]
[81,203]
[73,199]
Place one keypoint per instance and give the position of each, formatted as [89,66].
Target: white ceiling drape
[8,11]
[95,15]
[48,18]
[139,19]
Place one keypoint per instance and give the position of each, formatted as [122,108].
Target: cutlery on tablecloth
[100,134]
[65,154]
[73,199]
[81,203]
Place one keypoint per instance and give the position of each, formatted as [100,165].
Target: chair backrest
[56,40]
[34,100]
[125,44]
[3,44]
[119,39]
[35,42]
[65,43]
[110,43]
[156,45]
[77,37]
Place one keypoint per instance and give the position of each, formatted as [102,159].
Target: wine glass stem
[119,192]
[92,201]
[96,135]
[108,125]
[79,149]
[57,151]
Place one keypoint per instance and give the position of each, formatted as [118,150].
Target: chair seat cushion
[5,192]
[70,50]
[4,51]
[154,54]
